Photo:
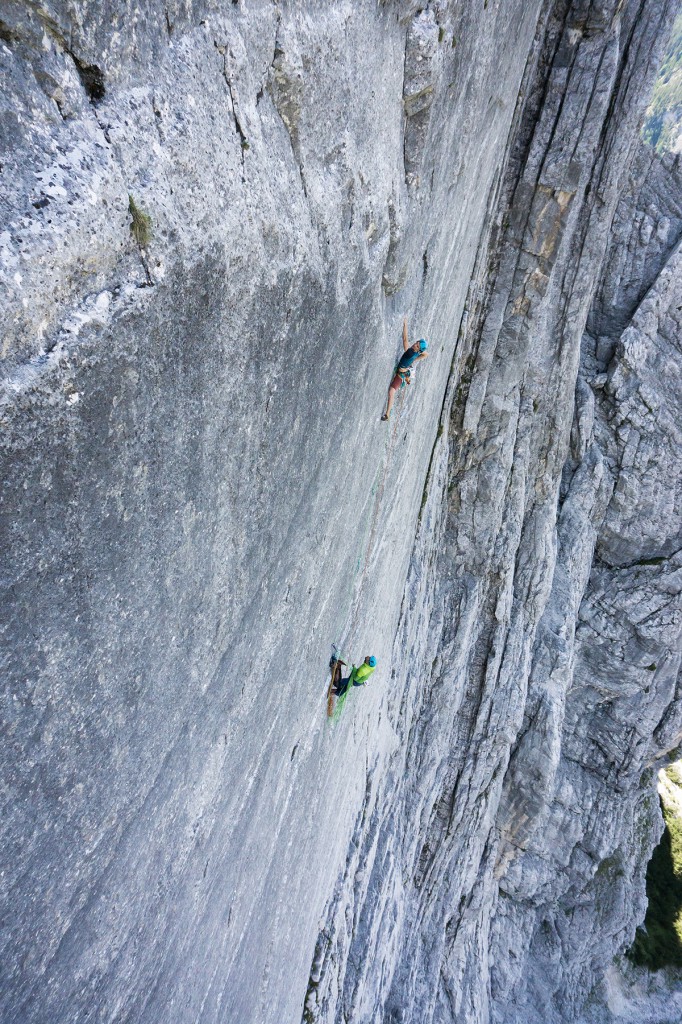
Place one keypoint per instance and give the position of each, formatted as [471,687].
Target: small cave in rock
[92,79]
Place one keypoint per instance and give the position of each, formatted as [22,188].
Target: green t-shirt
[362,674]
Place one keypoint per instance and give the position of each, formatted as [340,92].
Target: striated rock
[522,824]
[198,498]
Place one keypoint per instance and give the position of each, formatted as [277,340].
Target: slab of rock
[214,218]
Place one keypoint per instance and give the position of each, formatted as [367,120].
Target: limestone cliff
[215,216]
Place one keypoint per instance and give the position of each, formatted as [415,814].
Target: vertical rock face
[198,498]
[583,855]
[198,495]
[538,679]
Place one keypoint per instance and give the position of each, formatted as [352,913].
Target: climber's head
[371,661]
[422,345]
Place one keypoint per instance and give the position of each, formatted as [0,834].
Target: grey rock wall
[198,498]
[515,871]
[622,706]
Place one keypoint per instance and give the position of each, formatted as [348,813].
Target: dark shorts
[341,686]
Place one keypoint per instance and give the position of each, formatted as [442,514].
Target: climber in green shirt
[358,676]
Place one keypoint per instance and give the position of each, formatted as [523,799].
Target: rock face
[198,497]
[583,855]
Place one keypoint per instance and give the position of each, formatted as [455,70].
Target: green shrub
[659,943]
[664,114]
[141,224]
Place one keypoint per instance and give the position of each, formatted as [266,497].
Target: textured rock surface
[198,497]
[622,707]
[520,868]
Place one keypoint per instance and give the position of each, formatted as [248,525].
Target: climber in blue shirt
[403,371]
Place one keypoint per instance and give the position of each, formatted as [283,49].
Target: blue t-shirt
[407,358]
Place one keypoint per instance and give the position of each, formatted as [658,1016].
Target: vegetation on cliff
[659,943]
[663,125]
